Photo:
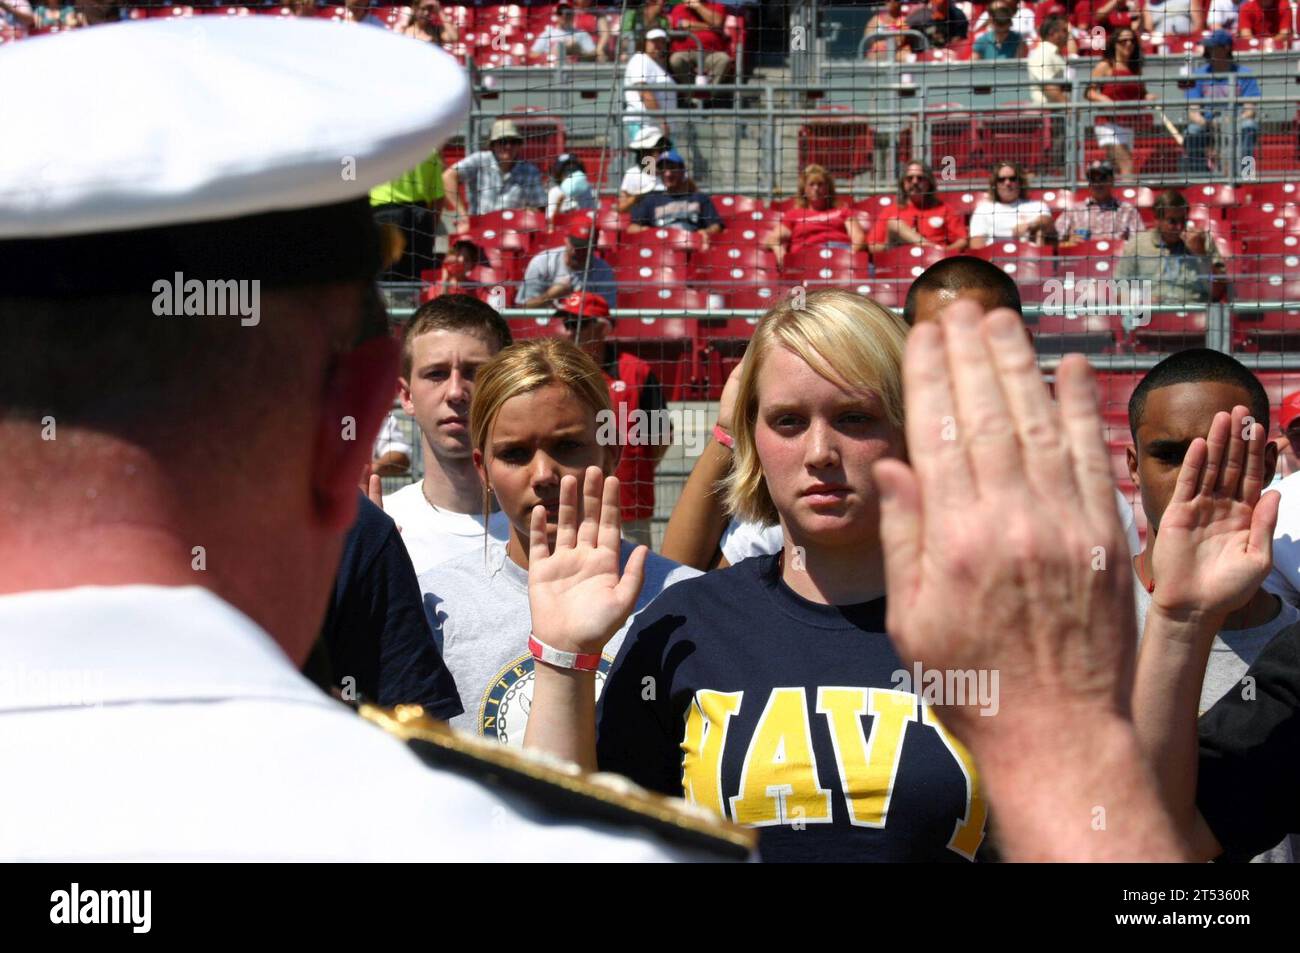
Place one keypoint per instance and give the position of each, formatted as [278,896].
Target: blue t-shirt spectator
[690,210]
[987,46]
[375,631]
[1215,87]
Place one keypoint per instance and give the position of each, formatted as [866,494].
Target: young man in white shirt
[448,340]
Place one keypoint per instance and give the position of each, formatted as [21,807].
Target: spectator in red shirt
[815,221]
[704,21]
[920,218]
[1265,18]
[1109,14]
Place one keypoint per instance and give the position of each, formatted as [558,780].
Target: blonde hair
[809,174]
[846,338]
[523,368]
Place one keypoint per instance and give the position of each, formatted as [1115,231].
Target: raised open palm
[577,594]
[1215,544]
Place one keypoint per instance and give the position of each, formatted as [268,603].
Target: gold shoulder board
[562,788]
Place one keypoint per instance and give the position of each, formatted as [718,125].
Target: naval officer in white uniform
[186,288]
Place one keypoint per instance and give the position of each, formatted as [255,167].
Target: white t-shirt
[1285,578]
[642,69]
[637,181]
[391,439]
[1046,66]
[743,539]
[999,220]
[432,535]
[478,609]
[1222,15]
[555,37]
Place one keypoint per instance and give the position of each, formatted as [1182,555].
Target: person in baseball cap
[680,205]
[1288,445]
[633,386]
[1208,116]
[557,272]
[196,362]
[641,177]
[494,178]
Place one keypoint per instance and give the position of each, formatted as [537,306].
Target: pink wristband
[724,438]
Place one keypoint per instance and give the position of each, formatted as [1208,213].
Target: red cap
[581,230]
[584,303]
[1290,409]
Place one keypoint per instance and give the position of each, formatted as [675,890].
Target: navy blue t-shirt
[376,631]
[781,714]
[690,210]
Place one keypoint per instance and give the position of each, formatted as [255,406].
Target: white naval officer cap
[240,146]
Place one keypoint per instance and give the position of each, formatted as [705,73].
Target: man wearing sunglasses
[920,217]
[1101,215]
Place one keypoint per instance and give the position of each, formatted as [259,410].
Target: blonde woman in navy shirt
[768,692]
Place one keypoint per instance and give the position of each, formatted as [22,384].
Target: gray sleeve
[535,279]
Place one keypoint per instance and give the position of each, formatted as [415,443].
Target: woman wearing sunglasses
[1121,60]
[1007,214]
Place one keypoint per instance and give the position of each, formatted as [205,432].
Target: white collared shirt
[145,723]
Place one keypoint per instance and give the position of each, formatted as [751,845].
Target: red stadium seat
[640,277]
[1268,331]
[826,264]
[1141,196]
[677,298]
[1171,331]
[741,232]
[675,237]
[844,145]
[1114,390]
[1279,193]
[1094,248]
[955,135]
[1265,277]
[1028,265]
[511,219]
[520,242]
[877,205]
[720,261]
[887,294]
[522,329]
[544,136]
[1085,334]
[636,256]
[1058,200]
[563,220]
[761,295]
[1218,196]
[1024,137]
[731,206]
[653,328]
[907,261]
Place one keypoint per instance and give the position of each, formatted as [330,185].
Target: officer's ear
[356,396]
